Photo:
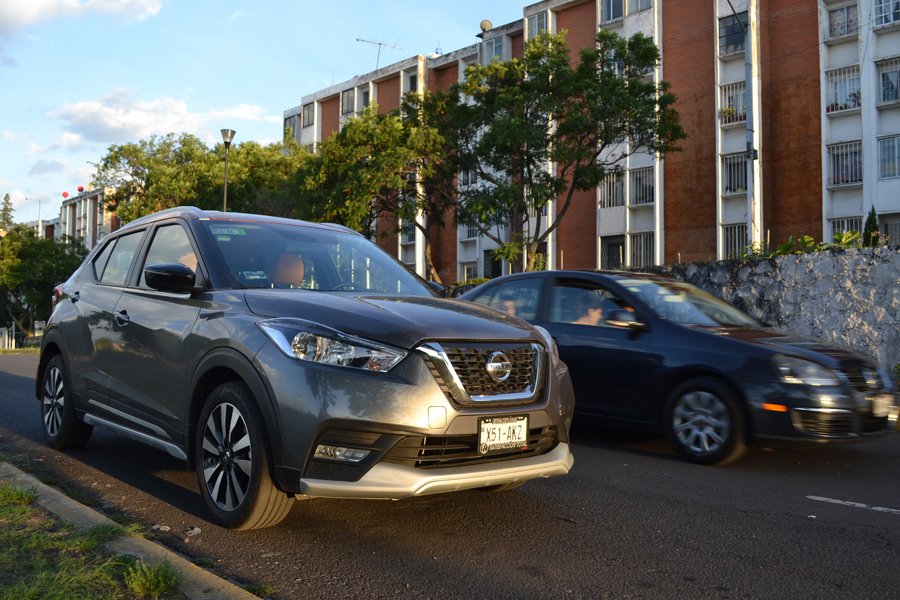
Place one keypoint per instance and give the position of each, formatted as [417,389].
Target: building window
[612,10]
[887,12]
[408,232]
[844,225]
[469,270]
[845,164]
[612,252]
[638,5]
[733,103]
[842,21]
[366,98]
[889,80]
[612,190]
[641,249]
[734,173]
[346,102]
[537,24]
[889,157]
[413,83]
[471,231]
[731,33]
[843,89]
[493,48]
[642,186]
[735,238]
[309,114]
[493,266]
[890,229]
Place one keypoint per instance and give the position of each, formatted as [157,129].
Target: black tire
[60,423]
[704,423]
[232,462]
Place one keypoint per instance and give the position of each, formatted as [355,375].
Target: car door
[86,329]
[151,331]
[612,367]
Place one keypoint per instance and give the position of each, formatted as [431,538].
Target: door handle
[75,297]
[122,318]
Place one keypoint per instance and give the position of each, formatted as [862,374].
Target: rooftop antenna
[380,46]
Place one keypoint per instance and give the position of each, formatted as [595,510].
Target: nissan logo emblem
[498,367]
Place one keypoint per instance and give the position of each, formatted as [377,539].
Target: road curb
[196,583]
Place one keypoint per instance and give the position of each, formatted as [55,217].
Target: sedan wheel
[704,424]
[61,426]
[233,461]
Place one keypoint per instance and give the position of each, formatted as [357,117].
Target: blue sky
[79,75]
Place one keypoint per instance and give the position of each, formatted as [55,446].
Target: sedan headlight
[312,342]
[551,345]
[797,370]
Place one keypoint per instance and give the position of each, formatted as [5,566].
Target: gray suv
[283,358]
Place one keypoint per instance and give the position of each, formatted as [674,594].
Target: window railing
[733,103]
[612,191]
[734,173]
[642,186]
[641,249]
[408,232]
[735,239]
[889,81]
[843,89]
[845,224]
[469,270]
[845,164]
[889,157]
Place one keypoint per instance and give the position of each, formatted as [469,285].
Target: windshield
[685,304]
[301,256]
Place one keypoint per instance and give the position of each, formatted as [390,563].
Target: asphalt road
[630,521]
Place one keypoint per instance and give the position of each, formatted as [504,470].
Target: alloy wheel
[53,401]
[701,422]
[227,456]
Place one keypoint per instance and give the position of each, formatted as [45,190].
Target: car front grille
[861,378]
[432,452]
[462,374]
[838,424]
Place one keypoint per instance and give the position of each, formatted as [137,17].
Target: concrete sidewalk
[195,583]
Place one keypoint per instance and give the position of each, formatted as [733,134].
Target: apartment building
[791,108]
[86,217]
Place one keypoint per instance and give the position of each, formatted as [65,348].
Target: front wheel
[61,426]
[232,462]
[704,423]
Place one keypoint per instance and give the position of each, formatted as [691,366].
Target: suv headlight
[551,345]
[797,370]
[305,340]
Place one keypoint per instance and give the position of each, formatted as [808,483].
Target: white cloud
[8,135]
[118,118]
[69,140]
[16,15]
[240,14]
[34,149]
[45,167]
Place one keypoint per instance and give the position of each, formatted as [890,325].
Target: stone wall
[850,297]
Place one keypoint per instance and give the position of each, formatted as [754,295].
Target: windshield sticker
[254,275]
[228,231]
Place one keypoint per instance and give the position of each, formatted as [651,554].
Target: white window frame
[309,114]
[735,240]
[733,103]
[642,186]
[734,173]
[636,6]
[845,164]
[347,102]
[888,81]
[537,24]
[642,248]
[841,23]
[843,89]
[732,21]
[886,12]
[889,157]
[469,270]
[612,190]
[612,10]
[493,48]
[841,225]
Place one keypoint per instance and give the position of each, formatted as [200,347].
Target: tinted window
[683,303]
[116,268]
[582,303]
[517,297]
[100,262]
[171,245]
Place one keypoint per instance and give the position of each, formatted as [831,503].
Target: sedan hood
[801,346]
[394,320]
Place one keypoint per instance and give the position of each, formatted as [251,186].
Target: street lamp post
[227,136]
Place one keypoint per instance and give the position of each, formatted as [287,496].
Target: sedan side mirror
[170,277]
[625,319]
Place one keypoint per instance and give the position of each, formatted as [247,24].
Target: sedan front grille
[431,452]
[463,372]
[838,423]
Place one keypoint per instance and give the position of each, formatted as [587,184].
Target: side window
[100,261]
[518,298]
[582,303]
[115,271]
[170,245]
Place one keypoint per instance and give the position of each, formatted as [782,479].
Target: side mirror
[438,289]
[625,319]
[170,277]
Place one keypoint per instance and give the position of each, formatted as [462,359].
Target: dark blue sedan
[649,352]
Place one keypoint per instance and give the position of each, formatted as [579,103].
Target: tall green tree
[871,236]
[30,267]
[376,166]
[6,214]
[539,129]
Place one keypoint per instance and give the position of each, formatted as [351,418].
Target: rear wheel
[704,423]
[232,462]
[61,426]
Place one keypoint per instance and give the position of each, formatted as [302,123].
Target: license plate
[502,433]
[881,404]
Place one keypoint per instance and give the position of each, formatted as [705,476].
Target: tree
[376,166]
[871,235]
[6,214]
[521,116]
[30,267]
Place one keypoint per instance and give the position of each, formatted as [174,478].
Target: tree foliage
[521,116]
[871,237]
[30,267]
[6,214]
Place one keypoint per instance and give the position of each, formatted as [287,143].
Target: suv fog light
[340,453]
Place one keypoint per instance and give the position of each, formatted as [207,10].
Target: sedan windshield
[687,305]
[286,256]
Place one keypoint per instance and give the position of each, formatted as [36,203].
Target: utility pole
[380,46]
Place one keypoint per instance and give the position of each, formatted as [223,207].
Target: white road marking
[854,504]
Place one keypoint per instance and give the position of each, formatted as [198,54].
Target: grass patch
[261,590]
[44,557]
[28,350]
